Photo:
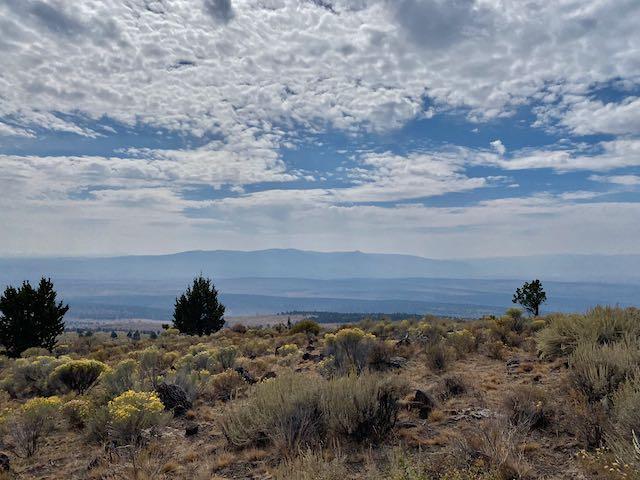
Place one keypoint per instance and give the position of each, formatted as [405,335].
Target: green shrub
[132,412]
[35,352]
[31,422]
[626,408]
[30,376]
[561,335]
[77,375]
[306,326]
[364,408]
[255,347]
[97,423]
[598,370]
[226,357]
[283,411]
[350,348]
[118,380]
[288,349]
[600,325]
[293,411]
[150,366]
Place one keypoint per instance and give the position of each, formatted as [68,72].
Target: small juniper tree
[198,311]
[530,296]
[30,317]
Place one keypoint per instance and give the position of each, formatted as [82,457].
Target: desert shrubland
[495,398]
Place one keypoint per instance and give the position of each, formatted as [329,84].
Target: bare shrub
[310,465]
[495,443]
[438,356]
[224,386]
[529,407]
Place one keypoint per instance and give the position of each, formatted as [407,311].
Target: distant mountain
[290,263]
[271,281]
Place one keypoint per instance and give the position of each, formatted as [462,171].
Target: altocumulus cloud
[245,82]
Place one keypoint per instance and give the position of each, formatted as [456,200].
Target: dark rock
[513,364]
[92,464]
[174,398]
[5,462]
[406,424]
[268,375]
[247,377]
[424,402]
[310,356]
[191,429]
[397,362]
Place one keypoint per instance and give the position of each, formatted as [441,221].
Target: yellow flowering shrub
[132,412]
[463,341]
[34,420]
[350,348]
[75,412]
[288,349]
[77,375]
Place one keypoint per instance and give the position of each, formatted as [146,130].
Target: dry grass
[283,419]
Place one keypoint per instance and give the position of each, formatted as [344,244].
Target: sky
[442,128]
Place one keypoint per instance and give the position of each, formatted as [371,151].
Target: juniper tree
[30,317]
[198,311]
[530,296]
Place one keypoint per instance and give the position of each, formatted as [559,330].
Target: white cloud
[587,117]
[218,66]
[498,146]
[626,180]
[607,156]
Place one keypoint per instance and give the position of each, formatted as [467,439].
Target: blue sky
[462,128]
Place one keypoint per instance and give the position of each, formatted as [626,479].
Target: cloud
[587,117]
[626,180]
[368,67]
[220,10]
[603,156]
[10,130]
[498,146]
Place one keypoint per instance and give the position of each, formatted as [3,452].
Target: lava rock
[191,430]
[5,462]
[424,403]
[397,362]
[174,398]
[247,377]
